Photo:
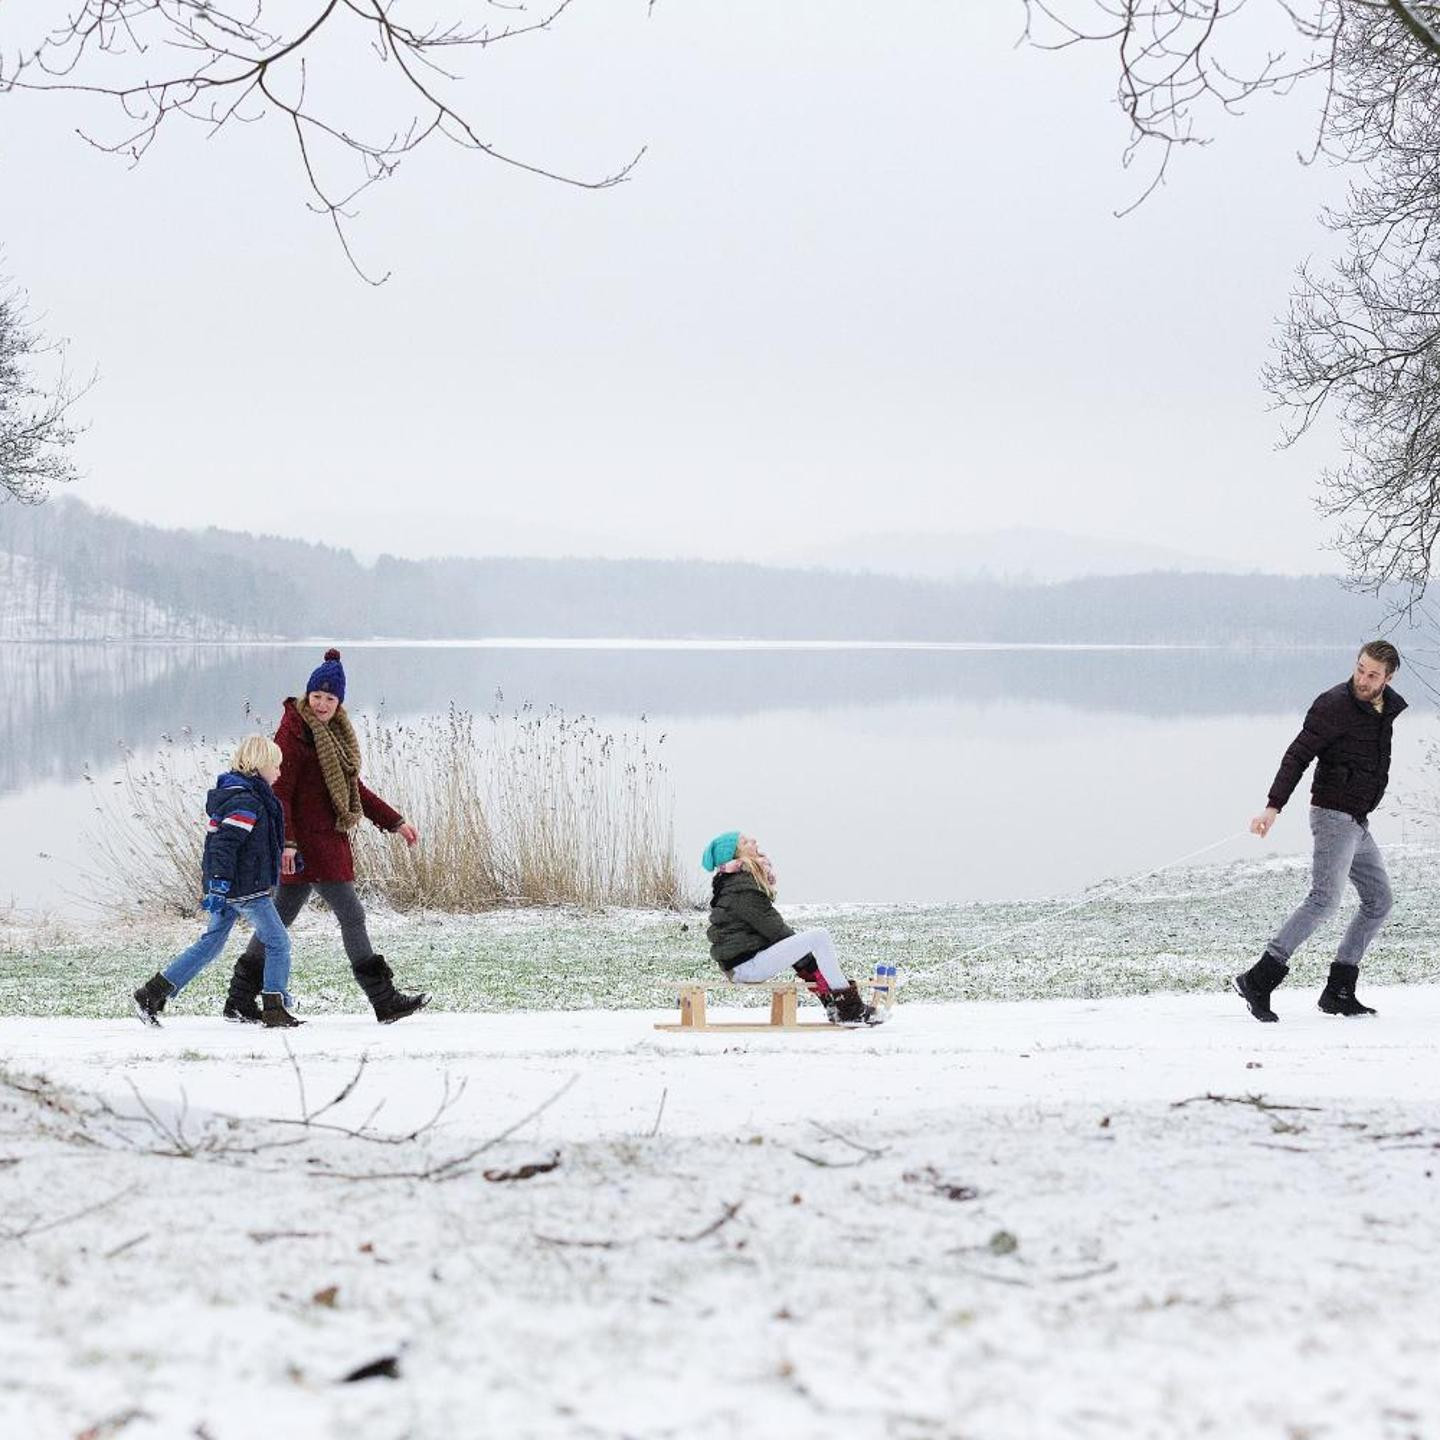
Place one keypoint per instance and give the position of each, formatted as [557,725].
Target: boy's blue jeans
[260,912]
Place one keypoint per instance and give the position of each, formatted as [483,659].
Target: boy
[240,866]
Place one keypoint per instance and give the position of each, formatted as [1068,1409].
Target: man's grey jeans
[1343,846]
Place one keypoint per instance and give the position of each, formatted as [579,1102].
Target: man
[1347,734]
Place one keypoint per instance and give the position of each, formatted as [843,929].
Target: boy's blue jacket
[243,836]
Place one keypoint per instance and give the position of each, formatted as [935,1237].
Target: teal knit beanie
[721,850]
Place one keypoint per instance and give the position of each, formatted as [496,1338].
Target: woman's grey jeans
[1343,848]
[340,896]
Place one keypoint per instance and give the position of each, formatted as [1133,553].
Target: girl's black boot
[845,1007]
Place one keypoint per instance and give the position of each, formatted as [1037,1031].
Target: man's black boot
[242,1004]
[1255,985]
[377,980]
[1338,996]
[150,999]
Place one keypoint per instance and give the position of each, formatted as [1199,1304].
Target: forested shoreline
[117,579]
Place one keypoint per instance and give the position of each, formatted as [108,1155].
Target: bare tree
[35,427]
[1363,336]
[225,63]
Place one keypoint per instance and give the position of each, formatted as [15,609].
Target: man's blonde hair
[256,753]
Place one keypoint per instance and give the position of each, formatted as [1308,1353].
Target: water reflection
[66,707]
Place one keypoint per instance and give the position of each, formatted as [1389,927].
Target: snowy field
[1140,1216]
[1128,1212]
[1182,931]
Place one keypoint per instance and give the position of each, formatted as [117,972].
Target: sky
[868,277]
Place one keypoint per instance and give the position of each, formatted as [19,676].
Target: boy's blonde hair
[256,753]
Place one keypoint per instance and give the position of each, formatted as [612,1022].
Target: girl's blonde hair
[756,871]
[256,753]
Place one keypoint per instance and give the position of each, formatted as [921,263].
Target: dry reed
[535,807]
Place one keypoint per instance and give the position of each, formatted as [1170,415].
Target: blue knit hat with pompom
[721,850]
[329,677]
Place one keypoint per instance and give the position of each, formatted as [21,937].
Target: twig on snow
[731,1210]
[562,1240]
[525,1172]
[455,1166]
[126,1245]
[1257,1102]
[37,1227]
[1093,1274]
[113,1424]
[846,1140]
[831,1164]
[998,1279]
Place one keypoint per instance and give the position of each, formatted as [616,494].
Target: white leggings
[784,953]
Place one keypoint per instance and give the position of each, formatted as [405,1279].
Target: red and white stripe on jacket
[240,819]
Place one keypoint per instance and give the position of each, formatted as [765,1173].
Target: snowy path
[1177,1269]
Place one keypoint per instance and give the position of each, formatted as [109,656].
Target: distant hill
[1021,554]
[178,584]
[40,601]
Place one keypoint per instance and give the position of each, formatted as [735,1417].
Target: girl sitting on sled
[751,942]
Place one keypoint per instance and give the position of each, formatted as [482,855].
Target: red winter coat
[309,814]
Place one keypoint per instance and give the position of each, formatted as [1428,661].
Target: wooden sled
[784,997]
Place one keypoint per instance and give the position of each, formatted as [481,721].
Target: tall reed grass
[532,807]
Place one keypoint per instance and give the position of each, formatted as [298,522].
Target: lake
[871,773]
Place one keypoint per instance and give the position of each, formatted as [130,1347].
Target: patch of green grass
[1185,931]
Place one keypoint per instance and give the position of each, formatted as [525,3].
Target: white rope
[1100,895]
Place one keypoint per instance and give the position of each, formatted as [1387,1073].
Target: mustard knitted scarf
[338,752]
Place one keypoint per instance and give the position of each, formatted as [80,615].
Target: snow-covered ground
[1132,1216]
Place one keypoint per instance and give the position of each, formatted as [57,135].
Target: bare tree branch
[253,61]
[36,430]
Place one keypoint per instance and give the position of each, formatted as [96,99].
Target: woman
[324,799]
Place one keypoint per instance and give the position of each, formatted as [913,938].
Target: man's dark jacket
[1350,742]
[743,922]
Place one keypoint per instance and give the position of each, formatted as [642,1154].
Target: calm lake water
[871,773]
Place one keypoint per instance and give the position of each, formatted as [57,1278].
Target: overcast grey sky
[867,278]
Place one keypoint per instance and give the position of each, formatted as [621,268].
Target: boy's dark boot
[1255,985]
[1338,996]
[150,999]
[242,1003]
[273,1014]
[845,1007]
[377,980]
